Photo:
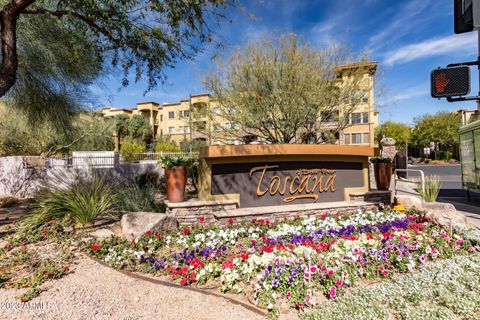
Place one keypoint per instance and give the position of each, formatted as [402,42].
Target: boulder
[135,223]
[408,202]
[446,215]
[101,234]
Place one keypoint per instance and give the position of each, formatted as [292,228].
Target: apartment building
[198,117]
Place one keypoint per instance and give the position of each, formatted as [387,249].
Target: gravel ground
[94,291]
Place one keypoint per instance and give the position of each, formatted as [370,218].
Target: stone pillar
[388,148]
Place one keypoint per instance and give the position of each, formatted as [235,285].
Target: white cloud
[401,24]
[407,94]
[432,47]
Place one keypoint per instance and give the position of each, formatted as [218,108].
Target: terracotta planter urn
[383,175]
[176,180]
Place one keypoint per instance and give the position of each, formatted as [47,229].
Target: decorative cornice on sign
[284,149]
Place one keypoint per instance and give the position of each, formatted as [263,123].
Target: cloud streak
[432,47]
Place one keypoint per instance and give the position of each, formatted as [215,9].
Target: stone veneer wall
[376,196]
[221,213]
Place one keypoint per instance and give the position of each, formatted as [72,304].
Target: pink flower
[313,269]
[299,304]
[254,241]
[289,294]
[306,275]
[459,243]
[332,292]
[339,283]
[422,258]
[471,249]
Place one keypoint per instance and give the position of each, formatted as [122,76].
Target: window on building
[200,125]
[360,96]
[180,129]
[161,117]
[366,138]
[355,118]
[365,117]
[186,113]
[356,138]
[365,97]
[171,130]
[171,114]
[347,138]
[187,129]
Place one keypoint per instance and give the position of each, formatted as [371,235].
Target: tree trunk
[8,25]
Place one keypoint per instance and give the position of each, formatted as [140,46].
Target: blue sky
[408,38]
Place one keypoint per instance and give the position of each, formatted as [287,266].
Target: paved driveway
[451,178]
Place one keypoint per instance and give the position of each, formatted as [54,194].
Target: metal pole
[478,66]
[190,124]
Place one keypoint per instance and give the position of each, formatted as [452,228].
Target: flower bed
[296,262]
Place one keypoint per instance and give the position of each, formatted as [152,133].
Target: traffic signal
[466,15]
[450,82]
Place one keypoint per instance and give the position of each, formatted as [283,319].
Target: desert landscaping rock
[94,291]
[408,202]
[140,222]
[446,215]
[101,234]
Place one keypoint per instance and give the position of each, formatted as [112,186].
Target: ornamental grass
[429,192]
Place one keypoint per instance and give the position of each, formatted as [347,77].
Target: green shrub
[196,145]
[443,155]
[431,189]
[171,161]
[166,147]
[380,160]
[130,149]
[83,201]
[140,195]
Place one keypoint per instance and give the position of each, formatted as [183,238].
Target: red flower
[244,256]
[196,263]
[267,221]
[186,231]
[148,233]
[254,220]
[95,247]
[323,216]
[66,268]
[230,220]
[228,264]
[53,223]
[183,282]
[299,304]
[369,236]
[158,235]
[44,232]
[201,219]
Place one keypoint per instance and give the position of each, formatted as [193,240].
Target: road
[451,191]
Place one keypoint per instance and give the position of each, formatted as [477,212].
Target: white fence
[98,159]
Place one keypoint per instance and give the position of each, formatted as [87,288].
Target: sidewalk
[470,209]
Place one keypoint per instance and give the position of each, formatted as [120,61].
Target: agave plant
[83,201]
[431,188]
